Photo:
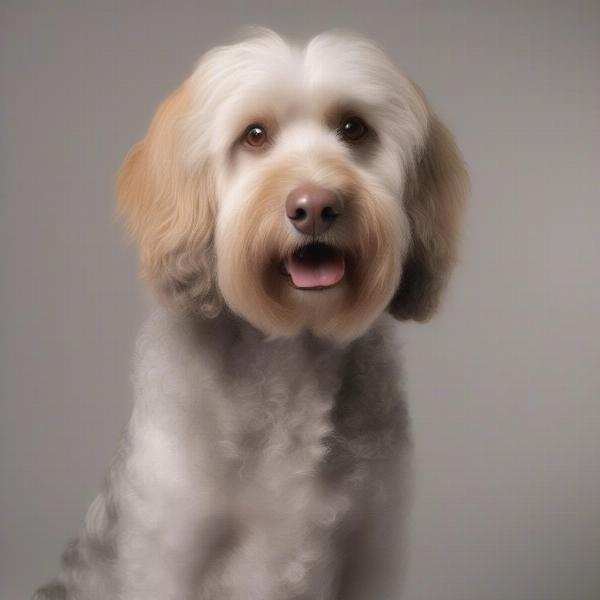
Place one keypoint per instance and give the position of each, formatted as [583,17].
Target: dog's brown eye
[352,129]
[256,136]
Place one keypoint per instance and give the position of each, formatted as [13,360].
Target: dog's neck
[243,331]
[259,388]
[245,350]
[233,359]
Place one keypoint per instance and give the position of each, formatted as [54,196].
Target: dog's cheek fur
[434,199]
[168,207]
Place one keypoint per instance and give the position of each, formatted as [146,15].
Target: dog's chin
[314,284]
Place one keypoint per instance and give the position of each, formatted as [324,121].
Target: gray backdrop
[504,385]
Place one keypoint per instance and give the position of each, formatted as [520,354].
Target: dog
[287,202]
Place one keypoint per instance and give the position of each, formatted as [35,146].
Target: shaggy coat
[265,455]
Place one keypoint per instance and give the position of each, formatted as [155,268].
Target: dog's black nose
[312,209]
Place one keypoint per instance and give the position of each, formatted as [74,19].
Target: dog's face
[305,188]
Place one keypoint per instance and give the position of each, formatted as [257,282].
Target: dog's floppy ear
[435,194]
[167,205]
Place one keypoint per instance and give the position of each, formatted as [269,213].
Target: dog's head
[304,188]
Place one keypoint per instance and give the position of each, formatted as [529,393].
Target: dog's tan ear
[435,194]
[168,207]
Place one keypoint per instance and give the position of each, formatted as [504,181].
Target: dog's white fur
[263,456]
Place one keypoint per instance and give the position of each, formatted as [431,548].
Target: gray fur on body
[251,468]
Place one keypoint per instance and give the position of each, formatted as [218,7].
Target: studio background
[504,384]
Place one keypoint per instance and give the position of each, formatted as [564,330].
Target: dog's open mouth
[315,266]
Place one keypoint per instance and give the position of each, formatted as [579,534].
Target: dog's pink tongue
[310,272]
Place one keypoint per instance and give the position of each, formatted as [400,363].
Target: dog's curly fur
[264,453]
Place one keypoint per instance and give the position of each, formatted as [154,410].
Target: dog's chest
[238,449]
[275,440]
[277,414]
